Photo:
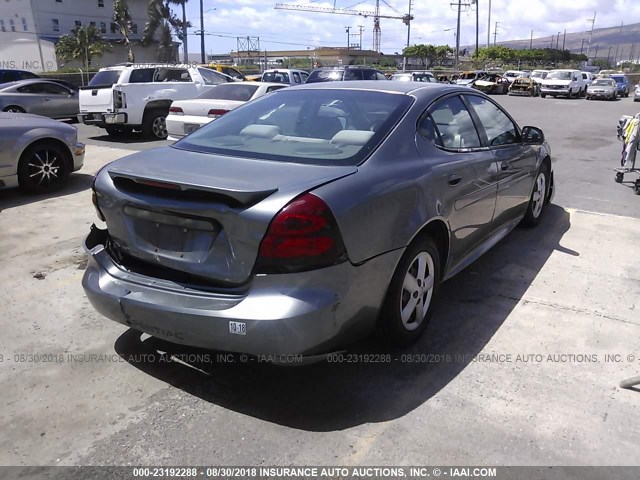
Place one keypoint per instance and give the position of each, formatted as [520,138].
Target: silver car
[312,216]
[605,88]
[37,153]
[40,97]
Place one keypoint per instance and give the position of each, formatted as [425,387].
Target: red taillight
[217,112]
[303,236]
[176,110]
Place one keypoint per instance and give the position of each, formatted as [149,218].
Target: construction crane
[377,33]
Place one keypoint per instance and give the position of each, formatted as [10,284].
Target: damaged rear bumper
[308,313]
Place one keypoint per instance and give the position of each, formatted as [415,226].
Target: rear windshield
[105,78]
[282,77]
[325,76]
[618,79]
[319,127]
[233,91]
[604,82]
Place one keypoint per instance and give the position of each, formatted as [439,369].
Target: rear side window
[142,75]
[106,78]
[354,75]
[282,77]
[450,125]
[172,75]
[212,78]
[497,125]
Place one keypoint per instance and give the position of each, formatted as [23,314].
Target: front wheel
[543,95]
[14,109]
[118,131]
[538,199]
[409,304]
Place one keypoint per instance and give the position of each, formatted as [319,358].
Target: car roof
[407,88]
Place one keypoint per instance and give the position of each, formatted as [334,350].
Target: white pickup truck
[128,97]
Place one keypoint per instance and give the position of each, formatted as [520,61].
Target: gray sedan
[306,219]
[40,97]
[37,153]
[602,88]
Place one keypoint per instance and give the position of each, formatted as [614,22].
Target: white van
[565,82]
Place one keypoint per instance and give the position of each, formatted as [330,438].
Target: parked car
[37,153]
[301,221]
[622,83]
[636,94]
[186,116]
[284,75]
[602,88]
[7,75]
[40,97]
[130,97]
[524,86]
[414,77]
[234,73]
[539,75]
[588,78]
[563,82]
[511,75]
[467,77]
[351,72]
[491,83]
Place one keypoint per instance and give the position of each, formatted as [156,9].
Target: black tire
[543,95]
[154,125]
[392,329]
[538,199]
[44,167]
[118,131]
[619,177]
[14,109]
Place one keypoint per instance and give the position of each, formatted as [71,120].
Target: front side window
[497,125]
[318,127]
[281,77]
[449,125]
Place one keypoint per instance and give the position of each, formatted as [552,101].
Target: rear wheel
[543,95]
[14,109]
[409,304]
[43,167]
[538,198]
[154,125]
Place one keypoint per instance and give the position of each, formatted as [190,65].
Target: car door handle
[454,179]
[504,166]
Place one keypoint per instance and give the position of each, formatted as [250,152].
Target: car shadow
[14,197]
[134,137]
[330,396]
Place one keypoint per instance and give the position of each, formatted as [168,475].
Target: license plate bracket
[190,128]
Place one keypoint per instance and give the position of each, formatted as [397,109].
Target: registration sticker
[238,328]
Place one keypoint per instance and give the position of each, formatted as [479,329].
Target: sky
[434,22]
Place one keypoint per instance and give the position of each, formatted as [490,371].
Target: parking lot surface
[519,366]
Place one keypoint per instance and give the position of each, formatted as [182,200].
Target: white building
[29,30]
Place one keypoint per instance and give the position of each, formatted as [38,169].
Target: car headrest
[262,131]
[352,137]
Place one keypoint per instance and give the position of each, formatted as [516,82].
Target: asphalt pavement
[520,365]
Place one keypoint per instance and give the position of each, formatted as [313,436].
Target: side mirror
[532,136]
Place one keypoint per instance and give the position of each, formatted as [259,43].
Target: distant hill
[627,40]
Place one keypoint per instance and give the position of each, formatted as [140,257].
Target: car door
[32,98]
[465,173]
[60,102]
[516,162]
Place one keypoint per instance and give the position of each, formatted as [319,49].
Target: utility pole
[552,36]
[593,22]
[203,59]
[458,33]
[595,57]
[557,40]
[615,61]
[609,55]
[531,41]
[184,33]
[564,38]
[489,27]
[348,29]
[495,33]
[477,24]
[361,28]
[404,57]
[582,47]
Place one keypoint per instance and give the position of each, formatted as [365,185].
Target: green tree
[426,53]
[442,52]
[122,20]
[162,22]
[81,43]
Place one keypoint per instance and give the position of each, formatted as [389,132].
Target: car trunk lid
[188,215]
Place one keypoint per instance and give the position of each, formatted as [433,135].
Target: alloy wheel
[159,127]
[539,191]
[417,290]
[45,168]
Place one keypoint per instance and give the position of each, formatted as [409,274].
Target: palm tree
[81,43]
[122,20]
[162,23]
